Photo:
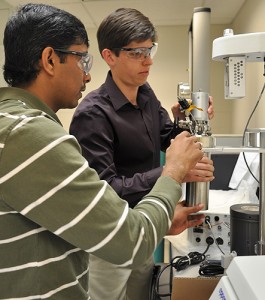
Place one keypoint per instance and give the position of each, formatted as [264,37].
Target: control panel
[214,230]
[235,78]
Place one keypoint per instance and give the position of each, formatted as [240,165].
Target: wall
[171,67]
[4,13]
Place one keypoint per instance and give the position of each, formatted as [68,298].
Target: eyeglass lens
[142,53]
[85,63]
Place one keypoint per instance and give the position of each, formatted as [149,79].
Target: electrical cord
[179,263]
[158,294]
[210,269]
[193,258]
[248,121]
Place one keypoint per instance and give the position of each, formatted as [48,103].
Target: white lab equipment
[249,47]
[235,51]
[243,280]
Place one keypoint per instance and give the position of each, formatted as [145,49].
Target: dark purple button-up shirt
[122,142]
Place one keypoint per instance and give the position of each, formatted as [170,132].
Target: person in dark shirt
[122,128]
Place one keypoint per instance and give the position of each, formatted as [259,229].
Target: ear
[48,60]
[108,56]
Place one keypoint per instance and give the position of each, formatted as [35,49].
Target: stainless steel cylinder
[201,100]
[198,192]
[255,137]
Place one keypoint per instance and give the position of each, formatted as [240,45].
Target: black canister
[244,228]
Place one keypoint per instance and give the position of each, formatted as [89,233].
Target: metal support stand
[254,142]
[261,248]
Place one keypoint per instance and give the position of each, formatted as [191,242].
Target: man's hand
[182,156]
[210,109]
[202,172]
[183,219]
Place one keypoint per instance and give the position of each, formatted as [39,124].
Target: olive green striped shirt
[54,209]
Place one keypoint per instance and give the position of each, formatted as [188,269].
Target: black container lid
[247,211]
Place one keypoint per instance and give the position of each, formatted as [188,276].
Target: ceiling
[160,12]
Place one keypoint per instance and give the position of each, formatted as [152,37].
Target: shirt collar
[118,99]
[30,100]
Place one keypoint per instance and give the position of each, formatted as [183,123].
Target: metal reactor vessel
[197,122]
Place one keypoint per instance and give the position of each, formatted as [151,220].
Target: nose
[148,60]
[87,78]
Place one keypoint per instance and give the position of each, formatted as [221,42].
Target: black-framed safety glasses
[86,61]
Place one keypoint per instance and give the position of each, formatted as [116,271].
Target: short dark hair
[124,26]
[33,28]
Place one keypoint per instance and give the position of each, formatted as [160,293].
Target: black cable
[179,263]
[210,269]
[170,282]
[182,262]
[254,109]
[193,258]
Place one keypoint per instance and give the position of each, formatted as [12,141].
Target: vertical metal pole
[201,50]
[261,250]
[199,65]
[256,138]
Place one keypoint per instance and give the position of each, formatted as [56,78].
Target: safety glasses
[86,61]
[141,53]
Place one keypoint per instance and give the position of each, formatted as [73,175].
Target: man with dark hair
[122,128]
[54,209]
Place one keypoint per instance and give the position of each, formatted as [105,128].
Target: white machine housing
[249,45]
[235,51]
[243,280]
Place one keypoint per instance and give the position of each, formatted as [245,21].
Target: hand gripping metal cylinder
[198,192]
